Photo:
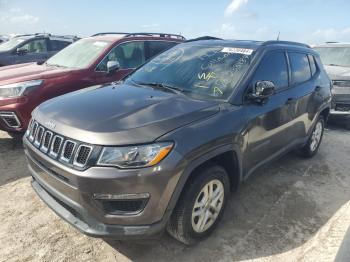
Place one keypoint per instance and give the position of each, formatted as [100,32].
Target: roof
[251,44]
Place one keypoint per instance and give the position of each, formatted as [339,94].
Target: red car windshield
[80,54]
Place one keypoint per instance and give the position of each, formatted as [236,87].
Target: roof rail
[110,33]
[166,35]
[15,36]
[276,42]
[74,37]
[142,34]
[332,42]
[204,38]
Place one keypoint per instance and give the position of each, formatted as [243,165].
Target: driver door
[269,129]
[129,55]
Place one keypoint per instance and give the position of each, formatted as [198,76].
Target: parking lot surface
[292,210]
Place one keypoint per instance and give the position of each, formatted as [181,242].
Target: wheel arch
[325,113]
[228,156]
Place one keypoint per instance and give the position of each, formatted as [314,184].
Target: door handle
[290,100]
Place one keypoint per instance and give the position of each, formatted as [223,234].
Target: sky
[308,21]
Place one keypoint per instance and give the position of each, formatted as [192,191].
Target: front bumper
[69,193]
[93,228]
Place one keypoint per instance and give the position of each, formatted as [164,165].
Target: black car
[32,48]
[163,148]
[336,58]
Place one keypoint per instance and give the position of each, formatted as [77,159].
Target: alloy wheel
[207,206]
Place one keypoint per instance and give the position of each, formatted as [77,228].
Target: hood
[338,72]
[121,114]
[30,71]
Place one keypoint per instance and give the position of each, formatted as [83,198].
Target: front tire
[315,139]
[200,206]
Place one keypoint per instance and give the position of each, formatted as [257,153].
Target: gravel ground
[292,210]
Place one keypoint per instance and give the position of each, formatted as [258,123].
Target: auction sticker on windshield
[235,50]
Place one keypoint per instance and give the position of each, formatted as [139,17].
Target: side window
[156,47]
[273,68]
[57,45]
[129,55]
[301,71]
[35,46]
[312,64]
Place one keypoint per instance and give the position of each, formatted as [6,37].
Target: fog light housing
[123,204]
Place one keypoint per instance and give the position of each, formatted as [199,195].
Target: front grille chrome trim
[40,132]
[44,148]
[33,131]
[72,153]
[63,158]
[52,153]
[75,163]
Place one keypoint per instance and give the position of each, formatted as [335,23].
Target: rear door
[34,50]
[304,90]
[269,130]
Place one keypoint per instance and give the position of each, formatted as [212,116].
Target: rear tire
[315,139]
[200,206]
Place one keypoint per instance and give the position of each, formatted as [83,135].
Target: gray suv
[164,148]
[336,58]
[32,48]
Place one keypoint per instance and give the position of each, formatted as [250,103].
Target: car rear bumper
[70,194]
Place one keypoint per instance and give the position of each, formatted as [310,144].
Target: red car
[102,58]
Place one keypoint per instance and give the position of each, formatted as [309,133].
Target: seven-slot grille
[57,147]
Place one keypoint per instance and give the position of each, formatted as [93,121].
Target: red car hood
[30,71]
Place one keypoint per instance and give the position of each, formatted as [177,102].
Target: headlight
[135,156]
[18,89]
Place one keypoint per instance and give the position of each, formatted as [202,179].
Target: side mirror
[262,90]
[21,51]
[112,66]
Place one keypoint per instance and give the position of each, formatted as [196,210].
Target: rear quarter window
[300,67]
[312,64]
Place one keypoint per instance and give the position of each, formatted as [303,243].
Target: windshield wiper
[174,89]
[333,65]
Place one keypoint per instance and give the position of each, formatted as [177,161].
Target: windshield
[79,54]
[12,43]
[335,55]
[211,71]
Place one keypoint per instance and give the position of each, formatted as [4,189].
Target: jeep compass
[163,149]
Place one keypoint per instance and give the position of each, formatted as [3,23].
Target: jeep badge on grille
[50,124]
